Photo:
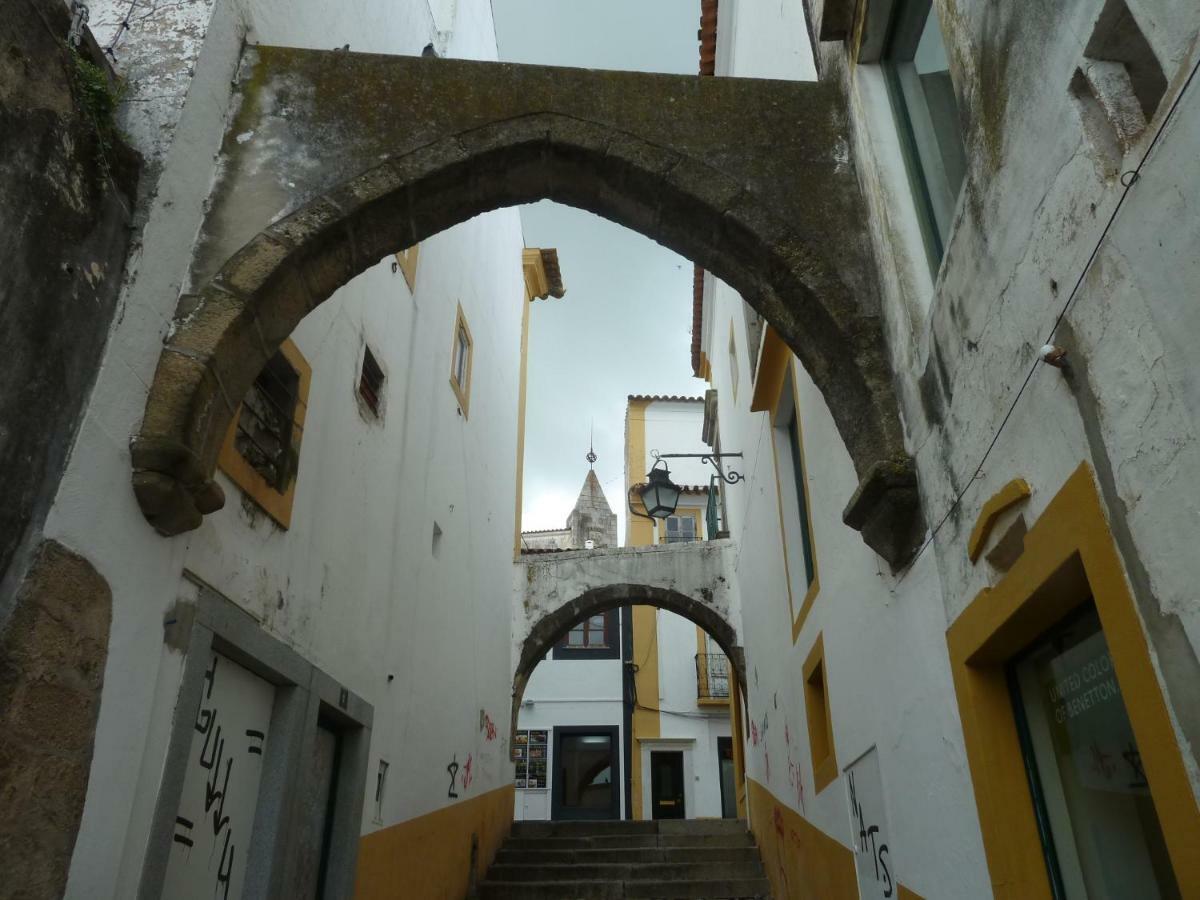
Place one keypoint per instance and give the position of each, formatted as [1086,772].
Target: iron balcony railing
[712,676]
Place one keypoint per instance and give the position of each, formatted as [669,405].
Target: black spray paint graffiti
[453,770]
[867,833]
[212,754]
[219,766]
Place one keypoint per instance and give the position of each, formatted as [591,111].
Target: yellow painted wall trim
[772,368]
[639,531]
[430,856]
[1069,556]
[276,504]
[739,742]
[537,284]
[407,262]
[646,724]
[800,859]
[522,390]
[798,613]
[1012,493]
[462,392]
[819,717]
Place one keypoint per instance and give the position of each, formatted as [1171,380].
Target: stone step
[613,841]
[586,856]
[722,889]
[619,826]
[583,829]
[627,872]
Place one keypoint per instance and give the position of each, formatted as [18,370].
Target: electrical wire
[1128,180]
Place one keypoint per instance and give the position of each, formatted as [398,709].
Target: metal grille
[266,427]
[712,676]
[370,383]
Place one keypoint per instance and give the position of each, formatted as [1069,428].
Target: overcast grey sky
[624,326]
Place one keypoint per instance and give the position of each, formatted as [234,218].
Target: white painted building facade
[367,583]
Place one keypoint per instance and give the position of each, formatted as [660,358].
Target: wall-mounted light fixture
[660,495]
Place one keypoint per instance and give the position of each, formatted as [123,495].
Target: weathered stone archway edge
[750,179]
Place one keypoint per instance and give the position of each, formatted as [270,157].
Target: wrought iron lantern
[660,496]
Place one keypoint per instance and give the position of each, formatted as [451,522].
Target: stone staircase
[714,859]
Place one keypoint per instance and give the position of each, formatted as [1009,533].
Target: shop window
[820,721]
[530,749]
[1101,833]
[406,263]
[918,75]
[370,383]
[461,353]
[596,637]
[261,452]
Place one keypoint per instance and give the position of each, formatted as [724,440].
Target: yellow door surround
[1069,559]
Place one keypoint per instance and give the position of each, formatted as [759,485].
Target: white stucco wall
[973,327]
[570,692]
[354,584]
[682,718]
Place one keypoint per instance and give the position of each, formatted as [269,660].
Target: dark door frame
[726,801]
[557,810]
[682,782]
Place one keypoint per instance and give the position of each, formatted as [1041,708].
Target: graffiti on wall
[219,798]
[868,824]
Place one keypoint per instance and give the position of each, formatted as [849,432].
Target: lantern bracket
[712,459]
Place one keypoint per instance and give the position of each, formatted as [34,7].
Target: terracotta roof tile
[674,398]
[708,36]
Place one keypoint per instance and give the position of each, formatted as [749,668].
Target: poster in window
[538,737]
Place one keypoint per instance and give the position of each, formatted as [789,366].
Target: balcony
[712,678]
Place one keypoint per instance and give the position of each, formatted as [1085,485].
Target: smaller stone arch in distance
[549,629]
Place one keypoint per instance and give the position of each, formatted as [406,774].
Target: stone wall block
[52,656]
[368,187]
[281,305]
[166,503]
[326,263]
[180,383]
[306,223]
[212,314]
[380,228]
[252,266]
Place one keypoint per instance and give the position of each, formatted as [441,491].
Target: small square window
[370,383]
[820,722]
[460,362]
[593,638]
[261,451]
[680,529]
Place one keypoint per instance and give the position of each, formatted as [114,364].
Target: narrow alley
[507,449]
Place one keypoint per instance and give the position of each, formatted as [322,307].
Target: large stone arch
[750,179]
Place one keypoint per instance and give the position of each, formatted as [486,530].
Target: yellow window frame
[1069,559]
[406,260]
[775,368]
[818,716]
[462,391]
[275,504]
